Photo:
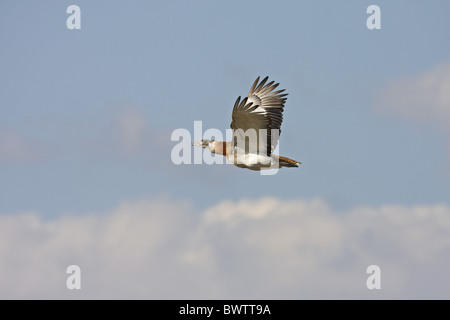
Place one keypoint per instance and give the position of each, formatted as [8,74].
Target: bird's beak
[197,143]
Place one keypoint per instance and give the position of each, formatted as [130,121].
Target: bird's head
[207,144]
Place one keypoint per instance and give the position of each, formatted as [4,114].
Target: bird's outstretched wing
[262,109]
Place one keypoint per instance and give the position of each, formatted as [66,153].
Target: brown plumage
[256,117]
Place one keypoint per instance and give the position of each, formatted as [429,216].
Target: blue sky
[86,115]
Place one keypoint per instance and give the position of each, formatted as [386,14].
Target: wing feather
[262,109]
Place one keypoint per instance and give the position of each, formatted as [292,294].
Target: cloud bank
[251,249]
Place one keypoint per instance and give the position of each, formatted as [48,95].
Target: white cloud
[127,133]
[17,149]
[265,248]
[423,97]
[132,127]
[124,132]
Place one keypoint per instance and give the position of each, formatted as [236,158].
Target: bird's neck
[221,147]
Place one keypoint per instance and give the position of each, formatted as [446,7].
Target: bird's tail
[286,162]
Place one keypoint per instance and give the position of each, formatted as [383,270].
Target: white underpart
[253,161]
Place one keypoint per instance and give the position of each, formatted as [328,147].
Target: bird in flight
[256,119]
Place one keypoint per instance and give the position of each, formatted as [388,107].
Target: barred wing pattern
[262,109]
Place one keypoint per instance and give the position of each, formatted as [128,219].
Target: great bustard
[257,118]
